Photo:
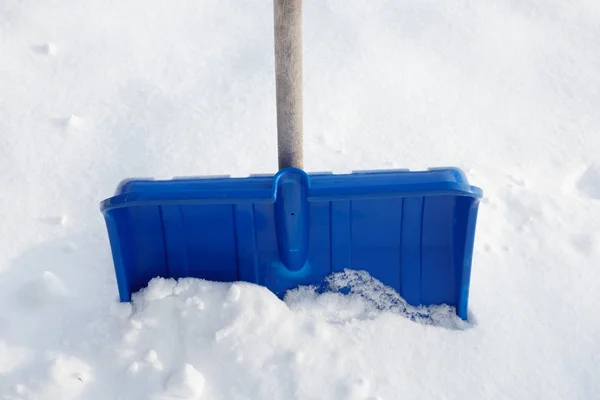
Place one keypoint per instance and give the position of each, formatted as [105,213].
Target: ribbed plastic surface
[413,231]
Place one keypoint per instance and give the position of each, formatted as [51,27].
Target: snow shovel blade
[413,231]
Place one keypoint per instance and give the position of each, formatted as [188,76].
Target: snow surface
[92,92]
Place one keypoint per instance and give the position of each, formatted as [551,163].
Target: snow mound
[167,343]
[589,183]
[43,290]
[355,295]
[185,383]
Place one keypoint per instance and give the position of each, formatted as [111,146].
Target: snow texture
[92,92]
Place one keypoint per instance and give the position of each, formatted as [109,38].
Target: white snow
[93,92]
[43,290]
[185,383]
[589,183]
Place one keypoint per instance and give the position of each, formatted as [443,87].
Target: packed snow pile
[350,295]
[176,331]
[192,339]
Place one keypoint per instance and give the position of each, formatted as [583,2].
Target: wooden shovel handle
[288,80]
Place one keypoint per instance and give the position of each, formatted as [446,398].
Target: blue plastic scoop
[413,231]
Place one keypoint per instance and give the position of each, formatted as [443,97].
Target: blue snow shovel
[411,230]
